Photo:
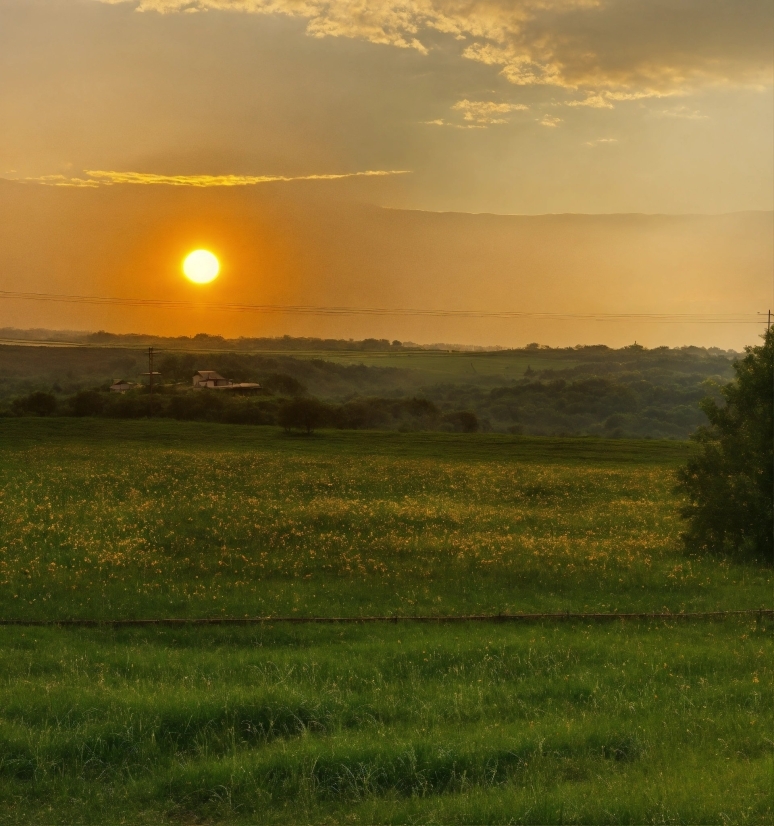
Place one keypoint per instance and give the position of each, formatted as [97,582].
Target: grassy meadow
[546,723]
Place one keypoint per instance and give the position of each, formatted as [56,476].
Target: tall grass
[642,723]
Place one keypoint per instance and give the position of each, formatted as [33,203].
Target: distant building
[245,388]
[210,380]
[121,386]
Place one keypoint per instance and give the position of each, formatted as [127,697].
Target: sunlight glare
[201,267]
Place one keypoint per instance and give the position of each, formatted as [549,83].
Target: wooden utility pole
[151,373]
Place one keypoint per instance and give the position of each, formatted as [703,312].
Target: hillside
[537,390]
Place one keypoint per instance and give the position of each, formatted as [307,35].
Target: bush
[36,404]
[201,406]
[283,385]
[364,414]
[128,406]
[303,414]
[730,484]
[87,403]
[462,421]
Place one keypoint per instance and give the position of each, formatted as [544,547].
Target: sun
[201,267]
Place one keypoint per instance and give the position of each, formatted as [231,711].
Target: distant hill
[631,391]
[205,341]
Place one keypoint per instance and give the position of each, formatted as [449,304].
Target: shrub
[36,404]
[87,403]
[128,406]
[364,414]
[202,406]
[303,414]
[283,385]
[462,421]
[730,484]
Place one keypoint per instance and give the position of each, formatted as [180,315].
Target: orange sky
[135,130]
[303,245]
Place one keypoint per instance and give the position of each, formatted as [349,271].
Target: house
[121,386]
[210,380]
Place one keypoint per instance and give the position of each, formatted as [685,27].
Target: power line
[304,309]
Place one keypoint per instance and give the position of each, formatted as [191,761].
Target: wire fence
[563,616]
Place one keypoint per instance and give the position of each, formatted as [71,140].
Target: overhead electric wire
[305,309]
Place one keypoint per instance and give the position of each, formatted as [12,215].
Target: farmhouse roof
[244,385]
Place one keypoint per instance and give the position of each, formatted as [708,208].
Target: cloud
[601,100]
[548,120]
[451,125]
[485,113]
[600,141]
[61,180]
[594,101]
[641,95]
[683,112]
[103,178]
[442,122]
[632,48]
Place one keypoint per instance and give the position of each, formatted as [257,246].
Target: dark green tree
[730,483]
[303,414]
[36,404]
[88,403]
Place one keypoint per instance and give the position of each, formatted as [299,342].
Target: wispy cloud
[614,45]
[593,101]
[452,125]
[601,141]
[683,112]
[549,120]
[486,113]
[97,177]
[602,100]
[643,94]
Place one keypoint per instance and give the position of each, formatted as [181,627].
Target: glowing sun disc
[201,267]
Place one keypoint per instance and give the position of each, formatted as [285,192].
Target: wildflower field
[641,722]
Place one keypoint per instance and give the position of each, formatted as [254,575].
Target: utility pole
[151,373]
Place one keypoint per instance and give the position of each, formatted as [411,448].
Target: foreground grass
[479,723]
[133,519]
[474,724]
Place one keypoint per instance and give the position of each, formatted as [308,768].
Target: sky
[300,115]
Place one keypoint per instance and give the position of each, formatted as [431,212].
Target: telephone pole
[151,373]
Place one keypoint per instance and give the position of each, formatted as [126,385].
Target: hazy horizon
[316,245]
[561,157]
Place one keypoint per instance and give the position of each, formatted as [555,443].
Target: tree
[36,404]
[463,421]
[304,414]
[730,483]
[87,403]
[282,384]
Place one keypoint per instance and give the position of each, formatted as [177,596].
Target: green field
[546,723]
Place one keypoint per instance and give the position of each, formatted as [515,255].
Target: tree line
[298,412]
